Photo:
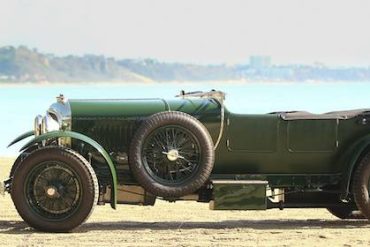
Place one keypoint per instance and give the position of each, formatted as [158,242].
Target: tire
[19,159]
[171,154]
[346,212]
[15,165]
[54,189]
[360,186]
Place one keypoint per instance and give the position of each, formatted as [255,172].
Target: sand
[188,224]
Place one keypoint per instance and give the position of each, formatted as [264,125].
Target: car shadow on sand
[19,227]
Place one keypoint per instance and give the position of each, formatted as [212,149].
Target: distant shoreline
[22,64]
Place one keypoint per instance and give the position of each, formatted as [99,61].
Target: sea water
[20,104]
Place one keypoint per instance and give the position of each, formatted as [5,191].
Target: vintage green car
[132,151]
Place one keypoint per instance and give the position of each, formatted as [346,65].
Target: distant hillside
[25,65]
[22,64]
[158,71]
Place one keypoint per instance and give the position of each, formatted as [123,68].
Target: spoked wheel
[361,186]
[171,154]
[54,189]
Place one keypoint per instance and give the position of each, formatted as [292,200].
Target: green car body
[275,160]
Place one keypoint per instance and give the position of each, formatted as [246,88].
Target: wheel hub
[181,154]
[51,192]
[173,155]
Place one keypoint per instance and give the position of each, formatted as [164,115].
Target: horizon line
[169,61]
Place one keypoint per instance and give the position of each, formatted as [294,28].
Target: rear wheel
[346,212]
[171,154]
[54,189]
[361,186]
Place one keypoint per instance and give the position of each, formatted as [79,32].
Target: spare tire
[171,154]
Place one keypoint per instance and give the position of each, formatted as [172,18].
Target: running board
[239,195]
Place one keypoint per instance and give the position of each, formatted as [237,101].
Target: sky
[332,32]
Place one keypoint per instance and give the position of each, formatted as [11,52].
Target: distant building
[260,62]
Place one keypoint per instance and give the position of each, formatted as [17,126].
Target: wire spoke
[53,190]
[171,154]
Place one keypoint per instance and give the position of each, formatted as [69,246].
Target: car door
[252,133]
[312,135]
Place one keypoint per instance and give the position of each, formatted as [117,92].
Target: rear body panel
[267,144]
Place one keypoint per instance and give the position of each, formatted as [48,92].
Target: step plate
[239,195]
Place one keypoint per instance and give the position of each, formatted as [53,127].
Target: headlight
[50,123]
[37,125]
[58,117]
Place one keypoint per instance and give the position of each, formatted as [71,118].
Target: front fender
[354,153]
[88,140]
[21,137]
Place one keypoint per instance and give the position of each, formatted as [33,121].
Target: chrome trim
[58,117]
[62,110]
[63,113]
[43,126]
[49,123]
[37,125]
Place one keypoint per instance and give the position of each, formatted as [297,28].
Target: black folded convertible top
[295,115]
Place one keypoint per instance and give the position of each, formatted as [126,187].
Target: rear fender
[88,140]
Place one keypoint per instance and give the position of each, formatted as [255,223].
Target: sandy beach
[188,224]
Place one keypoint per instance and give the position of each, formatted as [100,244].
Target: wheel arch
[88,140]
[353,156]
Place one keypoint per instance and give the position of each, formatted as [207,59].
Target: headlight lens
[50,123]
[37,125]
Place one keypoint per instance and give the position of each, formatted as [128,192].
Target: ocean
[20,104]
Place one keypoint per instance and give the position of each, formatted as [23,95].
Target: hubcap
[51,191]
[173,155]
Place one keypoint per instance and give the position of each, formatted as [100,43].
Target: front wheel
[54,189]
